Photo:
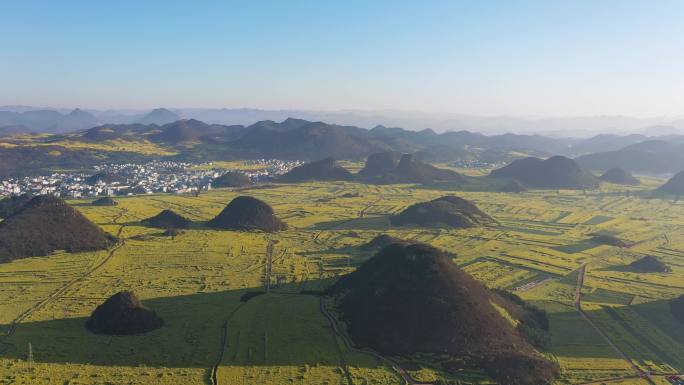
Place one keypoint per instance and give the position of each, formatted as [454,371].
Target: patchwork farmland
[609,323]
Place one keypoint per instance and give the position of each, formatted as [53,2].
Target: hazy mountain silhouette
[159,116]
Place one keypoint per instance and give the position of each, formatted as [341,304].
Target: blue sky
[548,58]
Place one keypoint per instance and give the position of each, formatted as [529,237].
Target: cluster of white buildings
[147,178]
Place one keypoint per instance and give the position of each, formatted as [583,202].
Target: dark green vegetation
[379,164]
[650,264]
[324,169]
[105,177]
[411,170]
[123,314]
[448,210]
[247,213]
[104,201]
[47,224]
[557,172]
[619,176]
[167,219]
[232,179]
[677,308]
[12,204]
[412,298]
[674,186]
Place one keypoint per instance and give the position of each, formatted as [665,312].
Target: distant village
[147,178]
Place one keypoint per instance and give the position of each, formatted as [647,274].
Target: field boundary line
[57,293]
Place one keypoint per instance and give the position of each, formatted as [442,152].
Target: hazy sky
[476,57]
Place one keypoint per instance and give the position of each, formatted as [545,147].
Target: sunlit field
[195,282]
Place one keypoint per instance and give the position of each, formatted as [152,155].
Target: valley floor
[620,328]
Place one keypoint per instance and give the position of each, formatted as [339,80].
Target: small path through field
[394,365]
[57,293]
[578,306]
[213,373]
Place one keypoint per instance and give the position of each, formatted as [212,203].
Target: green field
[195,282]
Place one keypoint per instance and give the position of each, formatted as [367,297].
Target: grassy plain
[196,280]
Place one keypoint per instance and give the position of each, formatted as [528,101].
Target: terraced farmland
[541,248]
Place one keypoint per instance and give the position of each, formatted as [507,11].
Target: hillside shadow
[191,335]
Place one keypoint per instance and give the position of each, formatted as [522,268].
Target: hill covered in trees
[247,213]
[448,210]
[232,179]
[167,219]
[123,314]
[46,224]
[557,172]
[324,169]
[617,175]
[412,298]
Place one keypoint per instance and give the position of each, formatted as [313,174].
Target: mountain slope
[557,172]
[412,298]
[47,224]
[324,169]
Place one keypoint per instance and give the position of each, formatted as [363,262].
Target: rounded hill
[557,172]
[247,213]
[104,201]
[47,224]
[411,170]
[167,219]
[674,186]
[232,179]
[123,314]
[448,210]
[412,298]
[619,176]
[324,169]
[379,164]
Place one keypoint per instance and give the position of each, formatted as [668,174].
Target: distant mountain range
[576,127]
[300,139]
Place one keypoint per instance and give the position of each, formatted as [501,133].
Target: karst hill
[557,172]
[123,314]
[247,213]
[407,170]
[47,224]
[411,298]
[167,219]
[324,169]
[619,176]
[232,179]
[448,210]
